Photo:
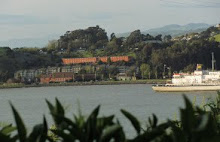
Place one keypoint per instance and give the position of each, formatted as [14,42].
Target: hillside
[173,30]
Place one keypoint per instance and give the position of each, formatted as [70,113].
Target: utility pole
[213,62]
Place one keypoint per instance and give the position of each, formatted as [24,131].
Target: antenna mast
[213,62]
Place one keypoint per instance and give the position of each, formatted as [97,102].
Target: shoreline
[19,85]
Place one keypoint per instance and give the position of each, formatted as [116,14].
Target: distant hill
[28,42]
[173,30]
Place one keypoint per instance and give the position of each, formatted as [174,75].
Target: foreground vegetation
[195,125]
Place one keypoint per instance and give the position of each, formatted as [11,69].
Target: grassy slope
[217,38]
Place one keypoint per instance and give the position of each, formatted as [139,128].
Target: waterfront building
[25,74]
[74,69]
[51,70]
[61,77]
[125,77]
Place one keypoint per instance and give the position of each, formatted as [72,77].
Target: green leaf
[7,129]
[134,121]
[91,123]
[94,113]
[154,121]
[152,135]
[51,107]
[188,116]
[110,132]
[36,132]
[20,125]
[59,107]
[39,132]
[44,132]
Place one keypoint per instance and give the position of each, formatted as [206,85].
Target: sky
[40,18]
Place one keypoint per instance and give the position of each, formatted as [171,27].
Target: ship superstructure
[199,80]
[198,77]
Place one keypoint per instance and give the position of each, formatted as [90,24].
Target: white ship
[199,80]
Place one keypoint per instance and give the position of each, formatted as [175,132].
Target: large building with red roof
[67,61]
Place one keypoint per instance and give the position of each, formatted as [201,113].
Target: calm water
[138,99]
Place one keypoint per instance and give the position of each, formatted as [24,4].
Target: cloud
[8,19]
[191,3]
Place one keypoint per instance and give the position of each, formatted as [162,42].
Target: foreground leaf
[133,120]
[20,125]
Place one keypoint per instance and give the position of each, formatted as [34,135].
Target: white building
[217,26]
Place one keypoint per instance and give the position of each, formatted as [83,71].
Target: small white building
[217,26]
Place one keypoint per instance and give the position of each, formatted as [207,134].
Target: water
[140,100]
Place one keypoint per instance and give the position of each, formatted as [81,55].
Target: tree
[131,71]
[112,70]
[148,37]
[156,72]
[167,38]
[190,68]
[145,71]
[52,45]
[82,71]
[112,36]
[134,37]
[92,48]
[89,69]
[158,37]
[112,47]
[101,70]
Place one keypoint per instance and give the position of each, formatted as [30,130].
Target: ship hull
[185,88]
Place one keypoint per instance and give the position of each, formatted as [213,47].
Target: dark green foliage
[92,36]
[39,133]
[23,58]
[195,125]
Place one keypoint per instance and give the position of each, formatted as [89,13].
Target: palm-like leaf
[134,121]
[20,125]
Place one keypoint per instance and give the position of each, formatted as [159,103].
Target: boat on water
[199,80]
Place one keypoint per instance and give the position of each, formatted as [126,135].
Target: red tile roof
[94,59]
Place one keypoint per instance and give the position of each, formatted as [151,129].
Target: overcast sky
[40,18]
